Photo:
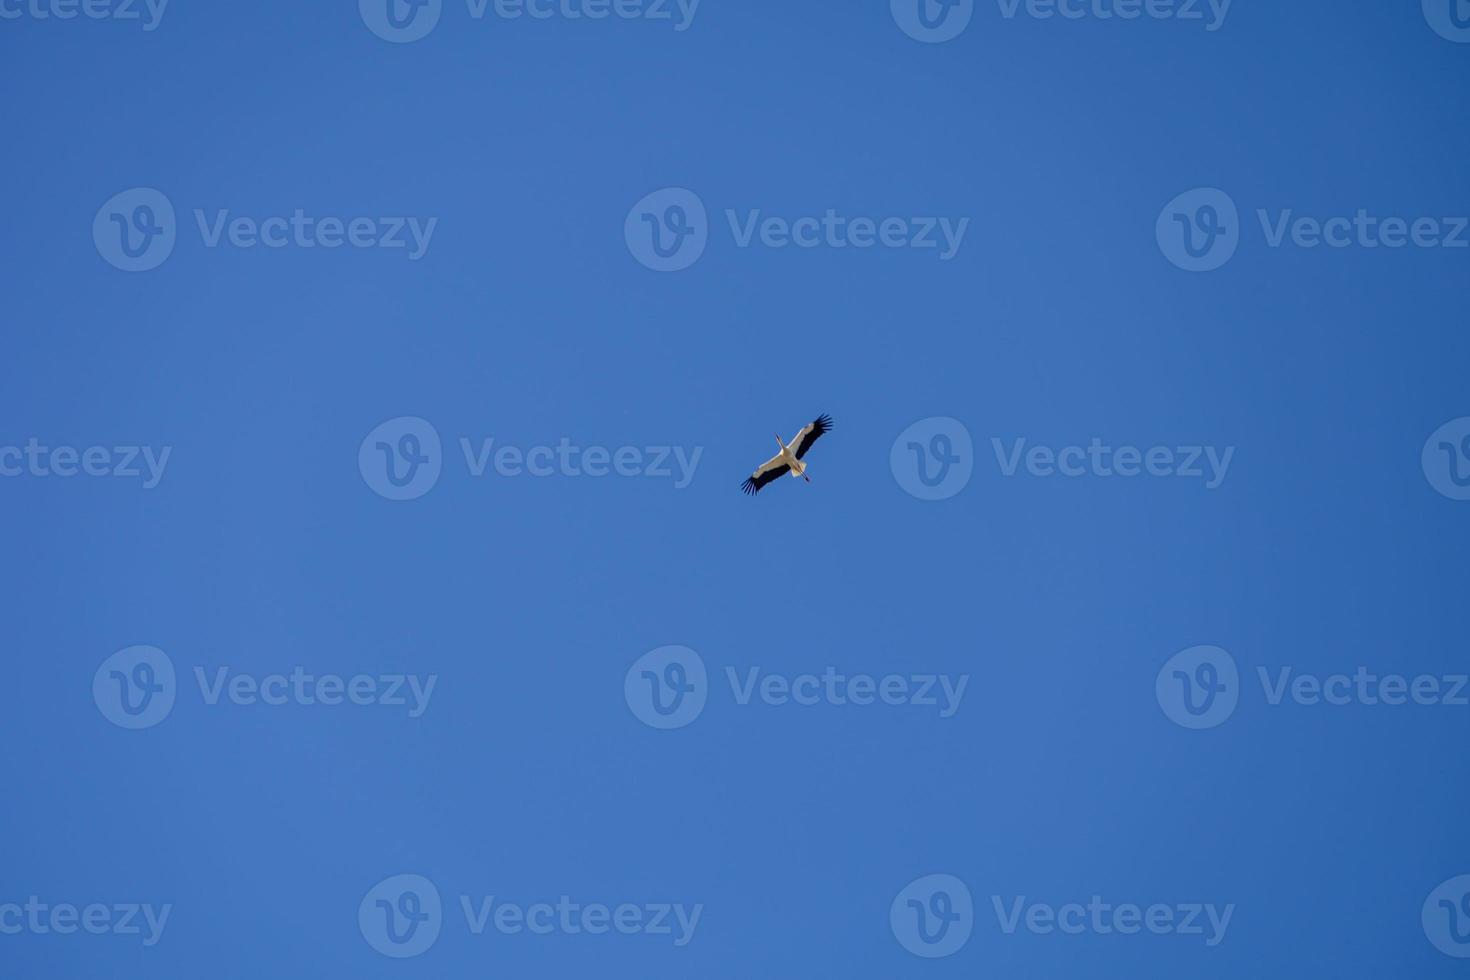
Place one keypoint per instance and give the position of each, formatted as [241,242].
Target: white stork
[788,459]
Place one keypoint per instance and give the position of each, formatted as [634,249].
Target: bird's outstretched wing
[810,433]
[771,469]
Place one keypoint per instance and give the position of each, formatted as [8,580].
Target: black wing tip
[823,422]
[749,486]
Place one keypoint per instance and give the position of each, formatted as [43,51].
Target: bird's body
[788,458]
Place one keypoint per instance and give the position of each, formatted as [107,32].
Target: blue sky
[990,657]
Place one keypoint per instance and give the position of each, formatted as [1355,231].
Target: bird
[788,458]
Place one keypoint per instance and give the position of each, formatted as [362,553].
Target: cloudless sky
[529,321]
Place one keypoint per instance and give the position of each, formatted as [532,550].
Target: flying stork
[788,458]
